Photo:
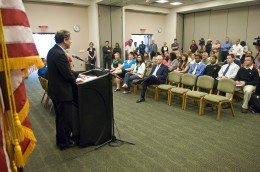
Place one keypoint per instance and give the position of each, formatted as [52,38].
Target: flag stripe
[18,34]
[17,78]
[14,4]
[20,50]
[18,17]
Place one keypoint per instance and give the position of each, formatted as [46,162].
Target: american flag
[18,55]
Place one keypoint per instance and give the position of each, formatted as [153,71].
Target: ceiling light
[162,1]
[176,3]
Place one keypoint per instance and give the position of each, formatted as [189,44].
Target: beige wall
[58,17]
[151,22]
[235,23]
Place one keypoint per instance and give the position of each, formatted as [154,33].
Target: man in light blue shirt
[225,49]
[198,67]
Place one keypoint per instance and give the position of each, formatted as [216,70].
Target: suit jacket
[200,69]
[153,47]
[61,78]
[161,73]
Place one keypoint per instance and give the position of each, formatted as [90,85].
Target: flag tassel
[18,128]
[18,156]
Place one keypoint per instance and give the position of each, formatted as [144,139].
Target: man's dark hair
[61,35]
[133,54]
[232,55]
[107,41]
[252,58]
[198,55]
[173,56]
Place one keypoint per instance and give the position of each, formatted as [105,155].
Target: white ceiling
[150,3]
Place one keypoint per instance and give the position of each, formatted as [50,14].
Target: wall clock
[76,28]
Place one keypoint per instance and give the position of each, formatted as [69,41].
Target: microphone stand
[113,137]
[96,67]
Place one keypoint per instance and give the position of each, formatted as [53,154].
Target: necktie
[226,70]
[195,69]
[156,69]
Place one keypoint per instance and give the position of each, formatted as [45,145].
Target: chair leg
[43,96]
[51,107]
[185,102]
[232,109]
[201,102]
[202,108]
[219,110]
[156,94]
[169,98]
[46,101]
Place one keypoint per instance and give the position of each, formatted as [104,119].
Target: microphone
[76,57]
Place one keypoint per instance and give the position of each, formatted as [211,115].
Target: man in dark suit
[158,75]
[212,70]
[61,79]
[107,55]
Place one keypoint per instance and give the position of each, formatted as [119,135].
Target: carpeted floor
[166,137]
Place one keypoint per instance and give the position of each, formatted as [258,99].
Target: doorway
[43,42]
[147,38]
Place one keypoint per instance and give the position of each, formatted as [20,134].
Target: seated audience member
[247,78]
[164,60]
[191,58]
[158,75]
[147,60]
[183,65]
[154,58]
[230,69]
[173,62]
[121,70]
[41,71]
[236,61]
[116,62]
[137,73]
[216,47]
[205,58]
[198,67]
[212,69]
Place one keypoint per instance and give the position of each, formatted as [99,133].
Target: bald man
[158,75]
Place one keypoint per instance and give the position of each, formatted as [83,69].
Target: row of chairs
[188,86]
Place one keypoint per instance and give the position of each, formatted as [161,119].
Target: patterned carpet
[166,137]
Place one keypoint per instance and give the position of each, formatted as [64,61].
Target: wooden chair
[173,80]
[204,83]
[224,85]
[187,80]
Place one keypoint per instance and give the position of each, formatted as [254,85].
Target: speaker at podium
[93,109]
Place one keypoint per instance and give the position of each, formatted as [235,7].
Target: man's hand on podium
[83,76]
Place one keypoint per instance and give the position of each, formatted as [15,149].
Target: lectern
[93,110]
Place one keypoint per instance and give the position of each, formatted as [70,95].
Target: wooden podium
[93,110]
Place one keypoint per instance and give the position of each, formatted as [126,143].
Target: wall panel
[188,30]
[201,25]
[218,25]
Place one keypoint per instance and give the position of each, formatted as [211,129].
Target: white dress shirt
[238,49]
[232,71]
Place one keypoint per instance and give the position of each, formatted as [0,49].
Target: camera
[202,41]
[257,42]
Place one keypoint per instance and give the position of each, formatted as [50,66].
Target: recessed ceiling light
[176,3]
[162,1]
